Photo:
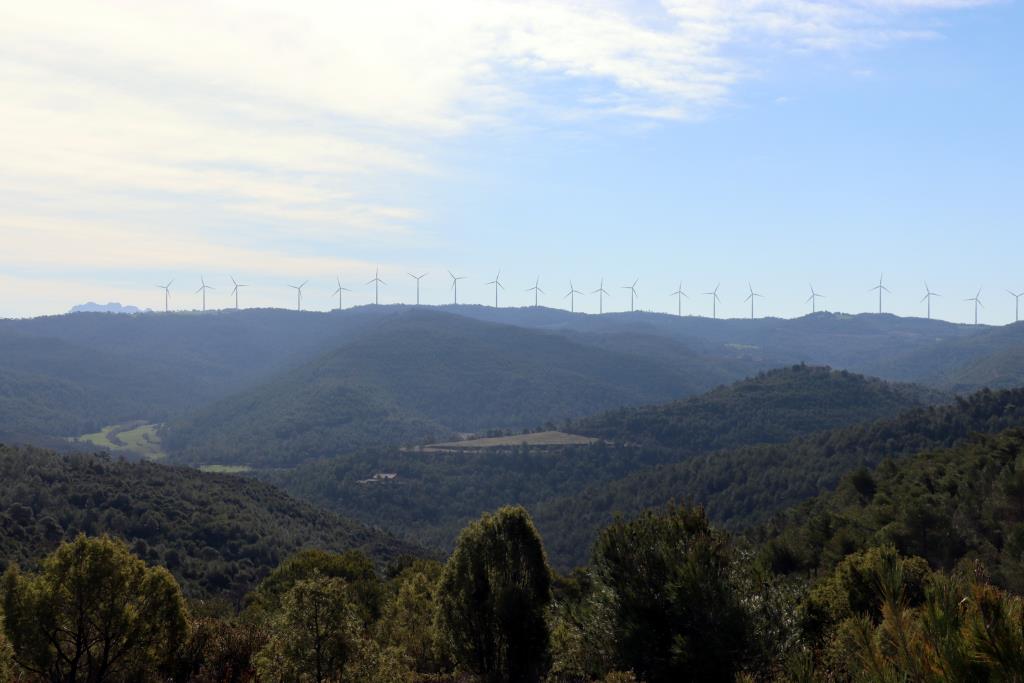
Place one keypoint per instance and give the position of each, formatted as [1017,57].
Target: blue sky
[780,142]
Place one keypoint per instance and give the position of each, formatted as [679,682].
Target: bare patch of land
[533,440]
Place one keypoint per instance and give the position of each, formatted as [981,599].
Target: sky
[769,144]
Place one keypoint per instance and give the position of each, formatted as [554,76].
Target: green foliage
[6,655]
[744,486]
[313,635]
[947,506]
[218,534]
[409,619]
[677,613]
[774,407]
[363,586]
[218,650]
[401,383]
[575,490]
[93,612]
[493,594]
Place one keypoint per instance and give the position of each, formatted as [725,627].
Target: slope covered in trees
[436,493]
[949,506]
[746,485]
[423,375]
[218,534]
[773,407]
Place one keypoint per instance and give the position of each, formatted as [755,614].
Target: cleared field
[225,469]
[138,438]
[533,440]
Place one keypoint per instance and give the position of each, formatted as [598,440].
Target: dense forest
[218,534]
[775,406]
[418,377]
[749,484]
[573,491]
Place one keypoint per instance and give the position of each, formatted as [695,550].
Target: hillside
[218,534]
[949,506]
[747,485]
[772,407]
[423,376]
[436,492]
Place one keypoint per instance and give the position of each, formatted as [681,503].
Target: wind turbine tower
[234,292]
[167,295]
[632,293]
[976,299]
[376,282]
[928,297]
[571,296]
[751,297]
[497,284]
[600,291]
[455,285]
[536,291]
[813,300]
[881,288]
[715,300]
[1016,317]
[339,290]
[202,288]
[298,294]
[417,278]
[679,294]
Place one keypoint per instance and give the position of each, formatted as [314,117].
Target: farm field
[137,438]
[536,439]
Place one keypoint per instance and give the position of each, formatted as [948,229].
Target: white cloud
[305,118]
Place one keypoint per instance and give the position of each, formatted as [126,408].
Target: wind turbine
[455,285]
[234,292]
[715,299]
[417,278]
[298,294]
[376,282]
[497,283]
[679,294]
[928,297]
[203,288]
[881,288]
[632,293]
[751,297]
[977,302]
[339,290]
[600,299]
[1017,297]
[571,296]
[536,291]
[813,300]
[167,295]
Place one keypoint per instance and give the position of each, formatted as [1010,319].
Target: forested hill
[219,534]
[747,485]
[426,375]
[775,406]
[435,493]
[949,506]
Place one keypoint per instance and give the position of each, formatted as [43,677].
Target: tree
[94,612]
[677,613]
[408,618]
[6,656]
[493,594]
[314,635]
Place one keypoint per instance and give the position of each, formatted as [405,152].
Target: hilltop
[219,534]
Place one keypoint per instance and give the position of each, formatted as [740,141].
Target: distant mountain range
[112,307]
[273,387]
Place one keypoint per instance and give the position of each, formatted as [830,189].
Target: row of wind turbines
[571,295]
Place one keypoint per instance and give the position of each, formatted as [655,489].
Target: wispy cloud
[306,118]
